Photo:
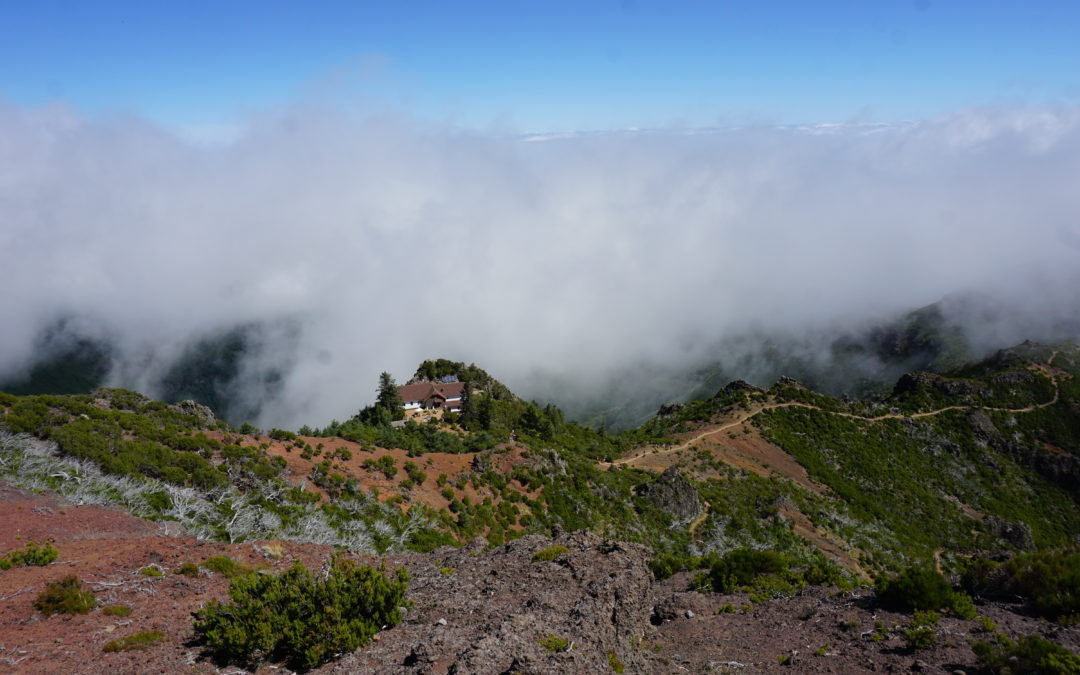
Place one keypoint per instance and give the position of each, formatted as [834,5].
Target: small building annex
[432,395]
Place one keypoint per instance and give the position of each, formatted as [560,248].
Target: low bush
[65,596]
[742,567]
[32,555]
[116,610]
[553,643]
[1030,654]
[188,569]
[664,565]
[141,640]
[549,553]
[914,588]
[962,605]
[226,567]
[1049,581]
[296,618]
[920,637]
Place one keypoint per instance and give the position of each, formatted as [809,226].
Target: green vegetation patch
[549,553]
[143,640]
[116,610]
[1049,581]
[296,618]
[916,588]
[553,643]
[33,555]
[764,573]
[1029,654]
[226,567]
[65,596]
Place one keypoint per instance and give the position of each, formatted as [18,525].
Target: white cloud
[392,241]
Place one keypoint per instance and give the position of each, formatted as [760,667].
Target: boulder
[674,494]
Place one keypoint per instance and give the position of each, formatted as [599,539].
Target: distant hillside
[215,370]
[238,370]
[858,363]
[967,449]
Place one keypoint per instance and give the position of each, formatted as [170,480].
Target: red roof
[422,391]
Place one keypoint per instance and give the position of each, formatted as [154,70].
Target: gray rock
[674,494]
[1018,534]
[597,597]
[205,415]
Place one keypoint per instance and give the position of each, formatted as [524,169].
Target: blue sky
[530,66]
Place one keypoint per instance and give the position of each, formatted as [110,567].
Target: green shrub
[188,569]
[742,567]
[282,435]
[65,596]
[920,633]
[549,553]
[141,640]
[915,588]
[920,637]
[664,565]
[1031,654]
[962,605]
[980,576]
[296,618]
[416,475]
[616,665]
[926,618]
[553,643]
[32,555]
[151,571]
[116,610]
[226,567]
[1049,581]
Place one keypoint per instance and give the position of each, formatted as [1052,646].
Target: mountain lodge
[432,395]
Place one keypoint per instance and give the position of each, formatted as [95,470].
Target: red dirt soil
[105,549]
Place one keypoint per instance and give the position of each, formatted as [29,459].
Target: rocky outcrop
[984,428]
[921,380]
[673,493]
[1018,534]
[786,381]
[1014,377]
[913,382]
[1057,466]
[501,611]
[204,414]
[1060,468]
[742,385]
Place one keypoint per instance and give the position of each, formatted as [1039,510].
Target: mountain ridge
[836,488]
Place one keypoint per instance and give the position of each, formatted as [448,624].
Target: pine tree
[389,399]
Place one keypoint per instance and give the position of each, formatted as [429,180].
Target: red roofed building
[445,395]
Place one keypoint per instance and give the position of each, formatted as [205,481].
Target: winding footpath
[750,414]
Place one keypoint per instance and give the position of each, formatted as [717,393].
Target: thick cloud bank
[383,241]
